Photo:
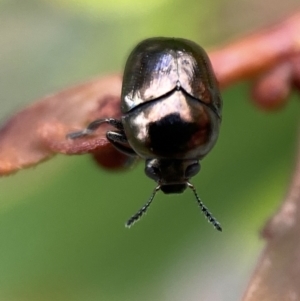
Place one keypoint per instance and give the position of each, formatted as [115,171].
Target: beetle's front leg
[93,126]
[119,140]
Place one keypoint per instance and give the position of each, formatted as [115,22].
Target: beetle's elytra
[171,108]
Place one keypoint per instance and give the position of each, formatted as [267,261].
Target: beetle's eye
[192,170]
[152,172]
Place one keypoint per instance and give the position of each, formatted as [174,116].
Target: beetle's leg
[90,129]
[118,140]
[143,210]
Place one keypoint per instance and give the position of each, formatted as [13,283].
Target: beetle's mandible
[171,108]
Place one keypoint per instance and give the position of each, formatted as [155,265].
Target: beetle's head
[172,175]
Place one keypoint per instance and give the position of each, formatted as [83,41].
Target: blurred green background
[62,234]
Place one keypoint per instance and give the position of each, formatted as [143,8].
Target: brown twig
[257,53]
[38,132]
[277,276]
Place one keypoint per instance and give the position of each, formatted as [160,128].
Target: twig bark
[38,132]
[277,275]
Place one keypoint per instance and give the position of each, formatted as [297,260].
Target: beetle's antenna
[207,214]
[143,210]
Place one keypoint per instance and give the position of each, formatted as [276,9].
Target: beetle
[171,114]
